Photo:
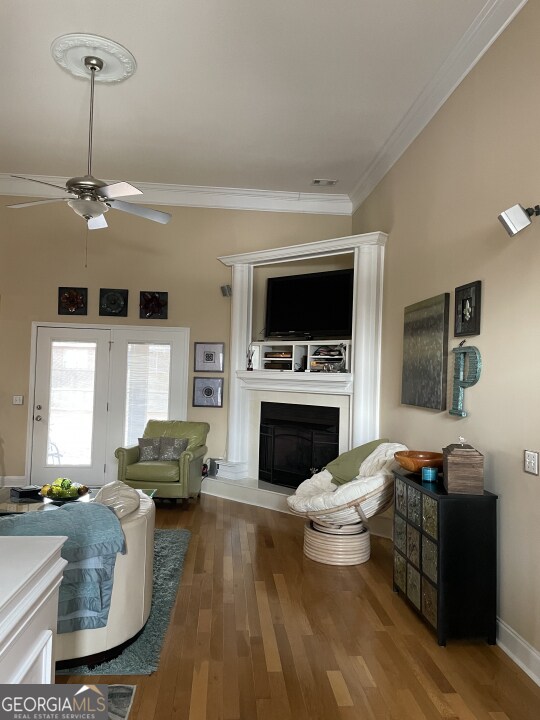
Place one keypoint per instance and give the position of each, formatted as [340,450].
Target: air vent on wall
[323,182]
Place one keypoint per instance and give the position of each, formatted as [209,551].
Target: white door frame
[180,389]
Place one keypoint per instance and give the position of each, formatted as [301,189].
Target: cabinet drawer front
[413,505]
[429,516]
[400,533]
[401,496]
[413,545]
[400,571]
[429,602]
[413,585]
[429,558]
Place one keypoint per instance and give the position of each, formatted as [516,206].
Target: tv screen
[316,305]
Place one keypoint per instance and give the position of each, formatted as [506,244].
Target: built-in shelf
[315,356]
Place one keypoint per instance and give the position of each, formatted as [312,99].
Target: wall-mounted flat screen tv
[315,305]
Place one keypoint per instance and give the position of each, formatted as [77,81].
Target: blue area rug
[142,656]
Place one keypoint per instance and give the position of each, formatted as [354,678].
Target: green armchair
[180,478]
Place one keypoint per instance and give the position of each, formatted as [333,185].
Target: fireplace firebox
[295,441]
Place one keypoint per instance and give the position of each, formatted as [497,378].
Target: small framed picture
[113,302]
[207,392]
[153,305]
[467,309]
[209,357]
[72,301]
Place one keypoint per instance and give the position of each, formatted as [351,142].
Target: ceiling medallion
[69,52]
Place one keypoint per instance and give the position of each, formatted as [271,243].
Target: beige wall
[43,248]
[439,204]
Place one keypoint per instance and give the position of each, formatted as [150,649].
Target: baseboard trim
[245,494]
[519,650]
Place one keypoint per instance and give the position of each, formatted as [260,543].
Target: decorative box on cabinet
[445,557]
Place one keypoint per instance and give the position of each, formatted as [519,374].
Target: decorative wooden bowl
[415,460]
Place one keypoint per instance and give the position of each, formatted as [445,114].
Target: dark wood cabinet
[445,557]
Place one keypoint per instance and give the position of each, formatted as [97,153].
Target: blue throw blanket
[94,537]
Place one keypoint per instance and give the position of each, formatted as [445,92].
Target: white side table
[31,571]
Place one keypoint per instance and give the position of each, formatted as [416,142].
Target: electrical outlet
[18,399]
[530,462]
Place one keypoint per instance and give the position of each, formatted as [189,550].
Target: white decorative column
[235,465]
[363,384]
[367,329]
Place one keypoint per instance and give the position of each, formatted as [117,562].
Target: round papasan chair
[338,501]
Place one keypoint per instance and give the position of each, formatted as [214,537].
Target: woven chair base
[331,547]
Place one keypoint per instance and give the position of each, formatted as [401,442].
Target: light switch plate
[18,399]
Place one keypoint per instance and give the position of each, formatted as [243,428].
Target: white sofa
[132,589]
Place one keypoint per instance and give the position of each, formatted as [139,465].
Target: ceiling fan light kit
[96,58]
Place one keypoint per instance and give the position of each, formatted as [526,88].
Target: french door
[94,390]
[70,405]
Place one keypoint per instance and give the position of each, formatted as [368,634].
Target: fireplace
[295,441]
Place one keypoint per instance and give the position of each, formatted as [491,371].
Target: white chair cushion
[318,493]
[381,460]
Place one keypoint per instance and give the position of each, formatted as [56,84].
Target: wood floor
[259,632]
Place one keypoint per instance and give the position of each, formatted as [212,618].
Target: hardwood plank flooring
[260,632]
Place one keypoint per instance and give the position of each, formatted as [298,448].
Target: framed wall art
[153,305]
[425,353]
[207,392]
[209,357]
[72,301]
[113,303]
[467,309]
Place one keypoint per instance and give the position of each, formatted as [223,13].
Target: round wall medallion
[69,52]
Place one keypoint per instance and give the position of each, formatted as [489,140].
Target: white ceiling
[236,93]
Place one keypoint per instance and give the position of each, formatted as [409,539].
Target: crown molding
[304,251]
[198,196]
[484,30]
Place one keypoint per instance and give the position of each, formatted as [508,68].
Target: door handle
[38,407]
[37,418]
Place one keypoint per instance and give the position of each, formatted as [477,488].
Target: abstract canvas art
[425,353]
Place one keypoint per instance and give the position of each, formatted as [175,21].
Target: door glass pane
[71,403]
[147,387]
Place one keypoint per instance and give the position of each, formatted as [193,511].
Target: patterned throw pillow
[172,448]
[148,449]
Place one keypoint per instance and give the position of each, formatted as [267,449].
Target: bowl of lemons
[63,489]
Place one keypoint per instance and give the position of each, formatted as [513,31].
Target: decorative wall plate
[153,305]
[72,301]
[113,302]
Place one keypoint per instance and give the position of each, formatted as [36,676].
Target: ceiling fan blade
[119,189]
[41,182]
[97,223]
[36,202]
[141,211]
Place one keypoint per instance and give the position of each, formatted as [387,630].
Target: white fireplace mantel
[362,384]
[326,383]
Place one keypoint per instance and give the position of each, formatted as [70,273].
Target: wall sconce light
[517,218]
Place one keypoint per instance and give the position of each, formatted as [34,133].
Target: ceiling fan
[89,197]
